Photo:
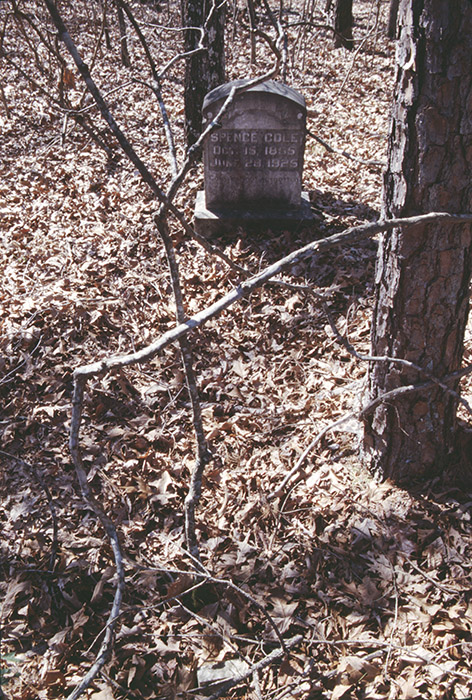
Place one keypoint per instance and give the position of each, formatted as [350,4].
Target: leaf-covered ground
[375,578]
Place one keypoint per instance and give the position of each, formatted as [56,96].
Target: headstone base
[212,222]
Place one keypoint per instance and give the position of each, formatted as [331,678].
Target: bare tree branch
[166,200]
[347,237]
[156,86]
[203,452]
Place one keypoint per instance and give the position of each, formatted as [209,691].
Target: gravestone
[253,162]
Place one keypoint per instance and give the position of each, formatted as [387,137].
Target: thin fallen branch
[203,573]
[386,645]
[358,415]
[345,154]
[436,584]
[193,496]
[205,577]
[248,596]
[256,684]
[394,624]
[92,105]
[186,54]
[9,376]
[225,638]
[288,688]
[268,660]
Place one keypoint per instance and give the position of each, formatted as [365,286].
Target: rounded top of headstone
[270,87]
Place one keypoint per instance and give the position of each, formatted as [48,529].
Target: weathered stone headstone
[253,164]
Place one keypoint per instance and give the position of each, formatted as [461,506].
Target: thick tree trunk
[342,23]
[422,278]
[204,70]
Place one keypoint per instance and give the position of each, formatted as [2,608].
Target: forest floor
[375,578]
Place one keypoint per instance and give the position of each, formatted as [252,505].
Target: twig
[358,415]
[268,660]
[65,37]
[245,594]
[185,54]
[395,621]
[436,584]
[287,690]
[88,108]
[393,360]
[203,573]
[9,375]
[356,53]
[444,651]
[256,682]
[331,149]
[396,647]
[156,87]
[205,576]
[206,623]
[203,452]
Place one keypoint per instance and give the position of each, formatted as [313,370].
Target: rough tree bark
[423,277]
[204,70]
